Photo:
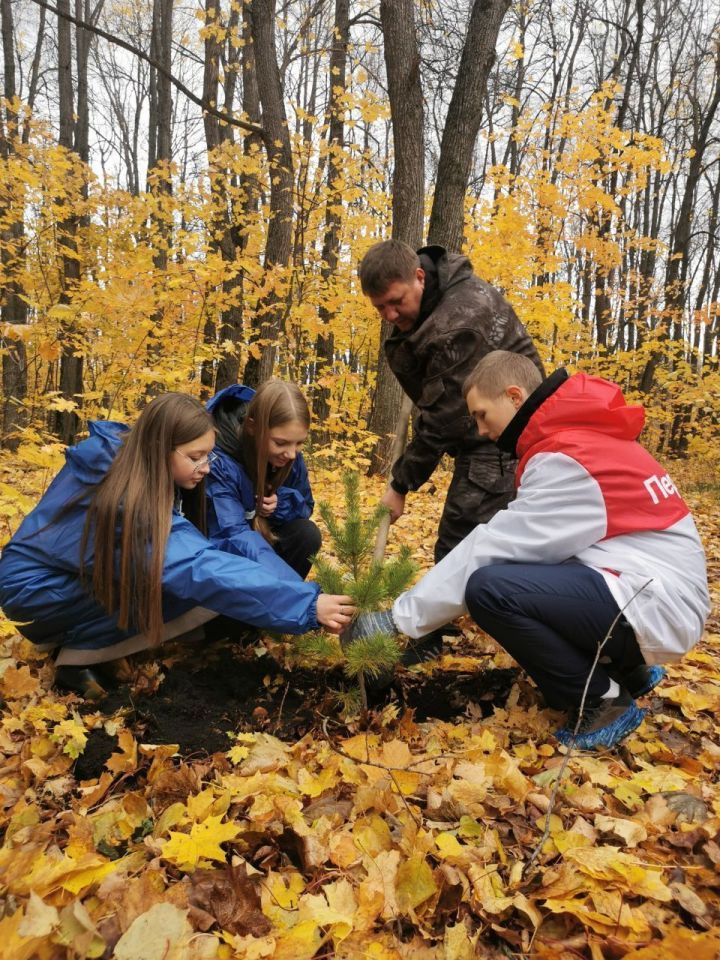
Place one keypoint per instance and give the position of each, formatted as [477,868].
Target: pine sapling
[370,583]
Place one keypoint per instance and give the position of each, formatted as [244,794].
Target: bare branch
[213,111]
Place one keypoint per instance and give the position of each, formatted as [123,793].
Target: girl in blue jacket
[259,495]
[113,559]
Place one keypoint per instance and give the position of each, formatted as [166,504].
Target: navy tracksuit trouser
[298,541]
[551,618]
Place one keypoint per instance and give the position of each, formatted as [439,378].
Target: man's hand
[335,612]
[395,502]
[268,506]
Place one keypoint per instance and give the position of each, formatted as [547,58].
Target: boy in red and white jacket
[598,541]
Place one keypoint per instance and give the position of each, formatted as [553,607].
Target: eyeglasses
[198,464]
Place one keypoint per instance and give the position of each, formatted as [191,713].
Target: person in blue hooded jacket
[259,495]
[113,559]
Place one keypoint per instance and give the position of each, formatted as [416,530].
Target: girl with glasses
[114,560]
[259,495]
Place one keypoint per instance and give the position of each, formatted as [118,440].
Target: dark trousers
[551,618]
[298,541]
[479,488]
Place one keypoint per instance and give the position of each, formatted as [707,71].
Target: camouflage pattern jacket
[462,318]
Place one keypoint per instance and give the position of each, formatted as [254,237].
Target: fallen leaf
[164,933]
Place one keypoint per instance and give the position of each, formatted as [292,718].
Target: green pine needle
[316,646]
[371,655]
[330,577]
[354,538]
[368,591]
[350,701]
[397,574]
[330,522]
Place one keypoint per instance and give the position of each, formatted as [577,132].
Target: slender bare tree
[402,62]
[13,308]
[271,309]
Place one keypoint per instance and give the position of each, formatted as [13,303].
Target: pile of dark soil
[201,704]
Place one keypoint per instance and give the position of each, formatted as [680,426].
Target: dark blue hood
[90,459]
[236,391]
[228,408]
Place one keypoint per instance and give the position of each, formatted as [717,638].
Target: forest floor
[223,802]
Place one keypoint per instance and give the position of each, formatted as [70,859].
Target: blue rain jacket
[231,494]
[40,585]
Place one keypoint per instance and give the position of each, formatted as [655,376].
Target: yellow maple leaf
[691,702]
[396,755]
[71,733]
[200,805]
[40,918]
[15,944]
[302,942]
[266,753]
[372,834]
[62,404]
[681,943]
[280,895]
[624,918]
[488,888]
[449,847]
[335,908]
[628,830]
[414,884]
[18,682]
[622,870]
[458,944]
[126,760]
[164,932]
[186,850]
[313,785]
[82,879]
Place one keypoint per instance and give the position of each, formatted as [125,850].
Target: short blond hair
[502,369]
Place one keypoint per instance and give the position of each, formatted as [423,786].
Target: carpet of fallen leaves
[381,838]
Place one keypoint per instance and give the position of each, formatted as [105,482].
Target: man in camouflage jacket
[446,319]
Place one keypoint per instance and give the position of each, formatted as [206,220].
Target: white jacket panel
[559,515]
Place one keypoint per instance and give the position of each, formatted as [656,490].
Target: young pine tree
[369,582]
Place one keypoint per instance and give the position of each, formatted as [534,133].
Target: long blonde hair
[275,403]
[131,509]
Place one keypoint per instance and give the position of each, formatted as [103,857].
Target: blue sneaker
[604,723]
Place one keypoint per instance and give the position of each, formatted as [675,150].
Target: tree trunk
[160,108]
[447,219]
[402,63]
[13,309]
[229,328]
[324,344]
[229,366]
[270,321]
[160,153]
[71,361]
[677,269]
